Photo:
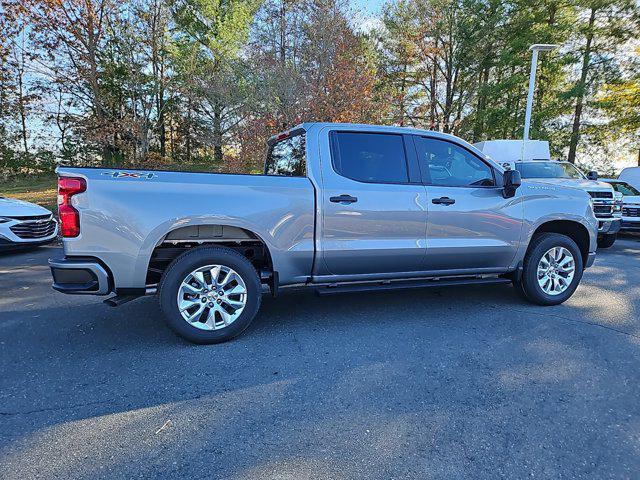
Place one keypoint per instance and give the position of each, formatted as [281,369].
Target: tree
[437,55]
[19,95]
[520,25]
[72,34]
[398,57]
[210,36]
[308,64]
[337,67]
[620,102]
[607,25]
[206,82]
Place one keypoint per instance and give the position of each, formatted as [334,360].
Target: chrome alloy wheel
[556,270]
[212,297]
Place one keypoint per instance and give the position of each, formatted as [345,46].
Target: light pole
[538,47]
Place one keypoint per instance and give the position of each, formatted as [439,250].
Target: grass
[36,189]
[42,189]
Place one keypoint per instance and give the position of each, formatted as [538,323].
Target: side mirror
[591,175]
[511,180]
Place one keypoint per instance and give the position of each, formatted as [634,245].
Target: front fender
[547,204]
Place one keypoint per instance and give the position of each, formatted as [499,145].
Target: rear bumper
[79,277]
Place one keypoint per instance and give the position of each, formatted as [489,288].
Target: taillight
[69,216]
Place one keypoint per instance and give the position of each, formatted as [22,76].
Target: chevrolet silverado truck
[339,208]
[629,204]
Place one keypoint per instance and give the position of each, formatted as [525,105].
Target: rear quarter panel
[123,219]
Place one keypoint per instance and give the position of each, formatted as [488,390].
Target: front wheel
[552,269]
[607,241]
[210,294]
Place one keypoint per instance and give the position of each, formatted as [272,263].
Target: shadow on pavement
[435,384]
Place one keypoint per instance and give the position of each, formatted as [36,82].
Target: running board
[118,300]
[335,289]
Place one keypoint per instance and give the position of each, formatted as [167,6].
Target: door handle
[443,201]
[343,199]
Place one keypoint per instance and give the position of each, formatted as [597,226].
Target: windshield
[625,189]
[548,170]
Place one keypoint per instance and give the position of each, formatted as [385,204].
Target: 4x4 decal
[143,175]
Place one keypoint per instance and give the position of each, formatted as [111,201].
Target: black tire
[192,260]
[607,241]
[528,284]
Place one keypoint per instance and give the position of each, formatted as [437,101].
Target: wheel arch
[179,239]
[572,229]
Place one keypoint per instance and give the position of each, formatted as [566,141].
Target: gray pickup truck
[339,208]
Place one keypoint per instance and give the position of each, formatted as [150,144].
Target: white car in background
[24,224]
[630,204]
[631,175]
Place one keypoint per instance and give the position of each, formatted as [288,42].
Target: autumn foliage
[202,84]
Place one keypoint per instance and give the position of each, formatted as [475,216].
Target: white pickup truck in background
[630,206]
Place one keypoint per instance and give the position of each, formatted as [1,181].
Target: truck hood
[586,185]
[631,200]
[10,207]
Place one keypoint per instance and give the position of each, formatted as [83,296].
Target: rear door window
[369,157]
[287,157]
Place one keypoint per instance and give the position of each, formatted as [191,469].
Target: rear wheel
[607,241]
[210,294]
[552,269]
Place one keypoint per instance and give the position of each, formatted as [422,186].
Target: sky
[368,14]
[370,6]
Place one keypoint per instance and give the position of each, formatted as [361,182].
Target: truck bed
[126,214]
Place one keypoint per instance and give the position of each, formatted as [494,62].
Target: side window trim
[426,176]
[336,161]
[411,155]
[420,152]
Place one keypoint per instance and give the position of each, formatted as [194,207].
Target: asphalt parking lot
[451,383]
